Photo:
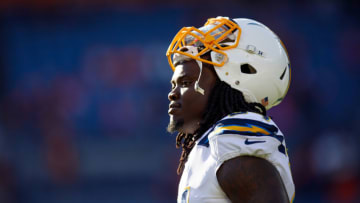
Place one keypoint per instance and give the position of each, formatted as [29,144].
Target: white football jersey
[235,135]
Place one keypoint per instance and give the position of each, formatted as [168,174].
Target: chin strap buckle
[199,89]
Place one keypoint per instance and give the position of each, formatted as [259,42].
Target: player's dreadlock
[223,100]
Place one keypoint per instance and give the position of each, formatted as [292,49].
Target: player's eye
[186,83]
[173,86]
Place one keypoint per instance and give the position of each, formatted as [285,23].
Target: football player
[227,74]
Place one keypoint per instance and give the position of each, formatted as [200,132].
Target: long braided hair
[223,100]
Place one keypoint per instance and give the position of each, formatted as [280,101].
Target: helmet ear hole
[247,68]
[184,49]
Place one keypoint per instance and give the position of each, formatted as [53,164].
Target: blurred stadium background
[83,97]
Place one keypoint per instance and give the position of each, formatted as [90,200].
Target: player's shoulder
[247,115]
[245,118]
[245,134]
[245,123]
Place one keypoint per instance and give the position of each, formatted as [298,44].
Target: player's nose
[173,94]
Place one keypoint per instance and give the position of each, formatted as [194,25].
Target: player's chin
[175,124]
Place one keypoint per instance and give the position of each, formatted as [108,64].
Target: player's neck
[190,127]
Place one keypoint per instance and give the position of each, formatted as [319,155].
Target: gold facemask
[211,37]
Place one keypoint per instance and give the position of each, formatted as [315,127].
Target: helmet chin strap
[197,86]
[180,57]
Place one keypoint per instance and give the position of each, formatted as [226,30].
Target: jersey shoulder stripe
[248,124]
[245,124]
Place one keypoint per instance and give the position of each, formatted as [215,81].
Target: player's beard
[174,126]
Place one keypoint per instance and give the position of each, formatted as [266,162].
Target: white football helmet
[246,54]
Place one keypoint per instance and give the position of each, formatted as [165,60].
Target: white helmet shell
[259,66]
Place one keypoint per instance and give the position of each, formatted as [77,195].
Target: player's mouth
[174,108]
